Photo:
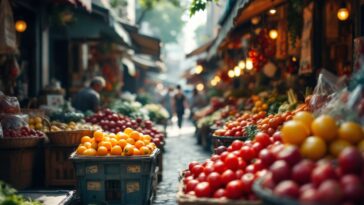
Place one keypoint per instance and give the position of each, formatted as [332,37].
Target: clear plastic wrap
[9,105]
[328,86]
[13,121]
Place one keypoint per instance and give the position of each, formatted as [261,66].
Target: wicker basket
[225,140]
[21,142]
[68,138]
[183,199]
[267,196]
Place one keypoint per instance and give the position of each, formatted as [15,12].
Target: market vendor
[89,98]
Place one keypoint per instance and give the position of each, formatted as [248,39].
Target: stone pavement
[181,148]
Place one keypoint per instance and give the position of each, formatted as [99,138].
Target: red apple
[322,173]
[350,161]
[287,188]
[330,192]
[280,171]
[301,172]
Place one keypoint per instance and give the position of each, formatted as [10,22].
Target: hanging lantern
[343,12]
[20,26]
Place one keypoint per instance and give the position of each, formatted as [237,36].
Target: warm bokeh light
[200,87]
[231,74]
[255,20]
[343,14]
[199,69]
[273,34]
[237,71]
[213,82]
[20,26]
[294,59]
[272,11]
[241,65]
[249,64]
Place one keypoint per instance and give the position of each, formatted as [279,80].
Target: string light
[249,64]
[273,34]
[255,20]
[200,87]
[272,11]
[199,69]
[241,65]
[231,74]
[237,71]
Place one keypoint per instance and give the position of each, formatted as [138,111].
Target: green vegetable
[8,196]
[251,131]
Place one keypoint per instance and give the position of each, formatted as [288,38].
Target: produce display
[127,143]
[36,123]
[321,182]
[66,114]
[114,123]
[157,113]
[72,126]
[131,109]
[22,132]
[8,196]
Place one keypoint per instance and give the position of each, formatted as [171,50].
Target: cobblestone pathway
[180,150]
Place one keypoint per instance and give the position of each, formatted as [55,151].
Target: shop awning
[145,44]
[202,49]
[146,62]
[96,25]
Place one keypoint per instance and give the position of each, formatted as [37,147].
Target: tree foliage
[199,5]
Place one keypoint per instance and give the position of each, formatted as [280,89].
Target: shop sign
[306,41]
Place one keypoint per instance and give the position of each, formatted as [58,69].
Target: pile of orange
[127,143]
[259,105]
[321,136]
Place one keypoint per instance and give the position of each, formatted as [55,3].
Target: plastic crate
[59,168]
[115,180]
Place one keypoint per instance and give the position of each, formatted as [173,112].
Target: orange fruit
[90,152]
[325,127]
[112,135]
[128,131]
[136,151]
[146,138]
[135,135]
[151,148]
[361,146]
[313,148]
[138,144]
[113,141]
[94,145]
[98,135]
[351,132]
[116,150]
[81,149]
[145,150]
[87,144]
[106,138]
[305,117]
[128,150]
[121,135]
[294,132]
[338,145]
[122,143]
[130,141]
[102,151]
[106,144]
[85,139]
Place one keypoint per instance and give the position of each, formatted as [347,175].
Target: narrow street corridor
[181,148]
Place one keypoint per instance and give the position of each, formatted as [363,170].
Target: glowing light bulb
[237,71]
[20,26]
[241,65]
[200,87]
[199,69]
[231,74]
[249,64]
[272,11]
[343,14]
[273,34]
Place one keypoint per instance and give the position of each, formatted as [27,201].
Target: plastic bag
[7,29]
[327,87]
[9,105]
[13,121]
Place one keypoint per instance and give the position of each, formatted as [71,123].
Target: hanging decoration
[263,48]
[295,19]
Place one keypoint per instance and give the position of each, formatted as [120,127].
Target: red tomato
[203,189]
[231,161]
[191,185]
[242,163]
[258,165]
[237,144]
[208,169]
[239,173]
[215,157]
[214,179]
[262,138]
[219,166]
[220,193]
[257,147]
[201,177]
[251,169]
[197,169]
[266,157]
[192,164]
[234,189]
[248,180]
[223,155]
[227,176]
[247,153]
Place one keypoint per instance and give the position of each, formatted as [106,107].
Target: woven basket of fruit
[20,142]
[68,138]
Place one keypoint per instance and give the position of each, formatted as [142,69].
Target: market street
[180,150]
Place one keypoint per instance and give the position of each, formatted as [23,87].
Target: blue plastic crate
[115,179]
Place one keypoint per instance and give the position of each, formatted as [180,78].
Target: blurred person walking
[180,104]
